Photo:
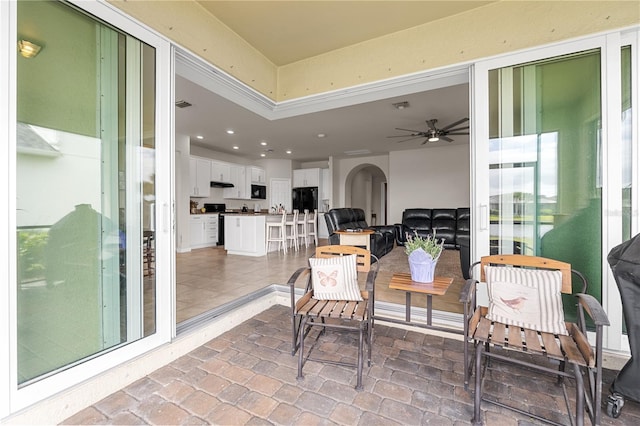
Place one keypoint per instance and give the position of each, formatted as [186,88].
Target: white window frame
[609,45]
[13,398]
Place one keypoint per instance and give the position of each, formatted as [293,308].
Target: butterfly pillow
[335,278]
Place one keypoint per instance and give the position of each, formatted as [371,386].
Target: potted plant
[423,256]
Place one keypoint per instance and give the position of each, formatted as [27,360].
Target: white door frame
[609,46]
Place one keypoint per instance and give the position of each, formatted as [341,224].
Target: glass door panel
[545,162]
[85,189]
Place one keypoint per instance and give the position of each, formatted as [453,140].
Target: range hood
[216,184]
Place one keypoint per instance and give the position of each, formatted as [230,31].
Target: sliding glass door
[551,154]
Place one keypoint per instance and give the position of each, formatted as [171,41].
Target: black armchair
[382,239]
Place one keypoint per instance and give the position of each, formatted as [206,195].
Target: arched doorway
[366,188]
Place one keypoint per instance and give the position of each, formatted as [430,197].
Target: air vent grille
[182,104]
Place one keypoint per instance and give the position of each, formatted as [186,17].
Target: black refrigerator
[305,198]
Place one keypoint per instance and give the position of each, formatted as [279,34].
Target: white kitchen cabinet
[196,227]
[210,230]
[199,176]
[203,230]
[220,172]
[306,177]
[325,187]
[323,231]
[245,235]
[258,175]
[241,186]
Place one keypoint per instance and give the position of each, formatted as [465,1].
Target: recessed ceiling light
[230,131]
[263,155]
[199,137]
[236,147]
[263,143]
[321,135]
[288,151]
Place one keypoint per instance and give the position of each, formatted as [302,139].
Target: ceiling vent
[358,152]
[401,105]
[182,104]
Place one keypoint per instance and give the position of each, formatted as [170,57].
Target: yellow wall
[496,28]
[192,27]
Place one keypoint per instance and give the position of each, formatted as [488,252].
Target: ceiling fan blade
[463,133]
[456,129]
[455,124]
[432,124]
[425,141]
[409,130]
[410,139]
[444,138]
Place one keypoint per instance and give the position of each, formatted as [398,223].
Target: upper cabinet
[241,185]
[199,176]
[258,175]
[220,172]
[306,177]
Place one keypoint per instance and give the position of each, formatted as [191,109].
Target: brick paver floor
[248,376]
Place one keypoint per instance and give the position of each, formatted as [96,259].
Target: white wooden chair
[280,236]
[291,230]
[301,228]
[312,226]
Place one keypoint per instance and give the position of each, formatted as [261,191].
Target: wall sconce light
[28,49]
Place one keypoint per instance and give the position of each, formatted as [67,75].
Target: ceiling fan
[433,134]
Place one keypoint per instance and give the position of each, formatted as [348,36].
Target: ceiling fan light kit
[433,134]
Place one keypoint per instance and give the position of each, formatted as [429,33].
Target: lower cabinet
[323,231]
[244,235]
[203,230]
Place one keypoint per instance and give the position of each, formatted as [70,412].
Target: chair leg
[579,395]
[294,341]
[477,397]
[360,357]
[303,324]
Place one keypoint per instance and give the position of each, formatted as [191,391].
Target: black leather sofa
[450,224]
[382,239]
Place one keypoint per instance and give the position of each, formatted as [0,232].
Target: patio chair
[333,299]
[525,315]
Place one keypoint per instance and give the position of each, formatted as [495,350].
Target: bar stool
[312,222]
[302,228]
[291,230]
[280,236]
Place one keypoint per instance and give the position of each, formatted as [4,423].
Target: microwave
[259,192]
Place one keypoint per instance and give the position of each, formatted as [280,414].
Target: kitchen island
[245,233]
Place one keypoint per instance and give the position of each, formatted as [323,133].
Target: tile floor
[248,376]
[207,278]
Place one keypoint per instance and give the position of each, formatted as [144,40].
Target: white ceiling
[353,128]
[283,32]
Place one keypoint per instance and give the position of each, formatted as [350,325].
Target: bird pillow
[335,278]
[528,298]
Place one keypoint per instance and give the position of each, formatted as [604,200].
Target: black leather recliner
[450,224]
[382,239]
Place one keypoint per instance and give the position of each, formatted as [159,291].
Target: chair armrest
[373,273]
[468,290]
[296,275]
[593,308]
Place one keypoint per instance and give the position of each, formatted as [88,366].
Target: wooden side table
[360,238]
[439,286]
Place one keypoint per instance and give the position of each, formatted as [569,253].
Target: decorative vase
[422,266]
